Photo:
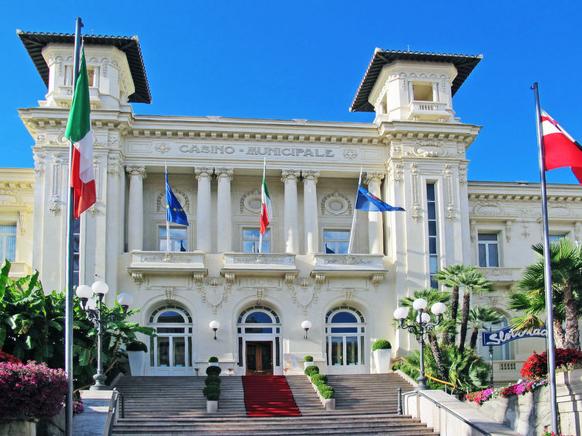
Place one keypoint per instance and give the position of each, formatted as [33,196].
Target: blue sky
[305,59]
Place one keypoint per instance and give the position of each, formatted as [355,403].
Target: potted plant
[308,361]
[213,361]
[136,354]
[212,388]
[382,352]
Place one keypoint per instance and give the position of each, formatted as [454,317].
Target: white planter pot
[213,364]
[20,428]
[211,406]
[137,361]
[382,360]
[329,403]
[307,364]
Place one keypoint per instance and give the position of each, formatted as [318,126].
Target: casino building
[413,155]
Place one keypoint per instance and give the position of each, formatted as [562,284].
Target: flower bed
[7,357]
[520,388]
[31,391]
[536,365]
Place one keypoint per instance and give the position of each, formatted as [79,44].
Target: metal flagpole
[260,234]
[70,250]
[353,228]
[167,206]
[547,268]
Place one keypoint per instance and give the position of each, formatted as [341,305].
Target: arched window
[344,333]
[172,345]
[259,340]
[500,352]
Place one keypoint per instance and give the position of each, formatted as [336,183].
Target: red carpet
[269,395]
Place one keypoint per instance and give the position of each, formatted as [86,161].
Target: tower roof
[463,63]
[34,42]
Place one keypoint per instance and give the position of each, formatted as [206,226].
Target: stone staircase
[367,393]
[175,406]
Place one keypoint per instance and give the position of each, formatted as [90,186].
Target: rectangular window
[178,238]
[557,236]
[433,254]
[422,92]
[250,240]
[92,75]
[7,242]
[336,241]
[488,250]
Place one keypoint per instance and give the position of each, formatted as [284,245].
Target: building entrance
[259,357]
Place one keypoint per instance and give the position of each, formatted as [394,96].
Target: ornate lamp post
[306,325]
[421,325]
[93,309]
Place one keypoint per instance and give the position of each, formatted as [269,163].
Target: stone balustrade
[161,262]
[502,275]
[257,264]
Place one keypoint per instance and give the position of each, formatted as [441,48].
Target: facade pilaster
[203,205]
[310,209]
[223,210]
[291,219]
[135,208]
[375,229]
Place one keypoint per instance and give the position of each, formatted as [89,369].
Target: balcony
[352,265]
[429,110]
[502,275]
[259,264]
[160,263]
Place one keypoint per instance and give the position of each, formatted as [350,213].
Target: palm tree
[566,265]
[431,296]
[451,277]
[473,282]
[478,316]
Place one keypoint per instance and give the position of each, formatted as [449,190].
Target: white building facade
[413,155]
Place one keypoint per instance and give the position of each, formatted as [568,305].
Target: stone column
[375,229]
[310,222]
[223,211]
[203,205]
[135,208]
[291,221]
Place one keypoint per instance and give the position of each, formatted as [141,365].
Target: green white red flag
[266,211]
[79,133]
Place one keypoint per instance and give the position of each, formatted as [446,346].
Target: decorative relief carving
[290,175]
[426,149]
[163,148]
[203,172]
[416,208]
[304,295]
[451,208]
[136,171]
[508,226]
[350,153]
[336,204]
[251,202]
[224,173]
[487,209]
[463,174]
[310,175]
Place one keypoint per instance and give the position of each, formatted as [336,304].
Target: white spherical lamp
[100,288]
[306,325]
[84,291]
[214,325]
[420,304]
[401,313]
[125,300]
[438,308]
[423,318]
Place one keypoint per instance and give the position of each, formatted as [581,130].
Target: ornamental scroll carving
[182,198]
[336,204]
[250,202]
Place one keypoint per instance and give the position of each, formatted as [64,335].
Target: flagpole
[70,271]
[167,207]
[547,268]
[353,228]
[260,234]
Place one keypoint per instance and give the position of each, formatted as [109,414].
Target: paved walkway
[92,421]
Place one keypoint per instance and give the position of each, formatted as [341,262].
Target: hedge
[311,370]
[381,344]
[308,358]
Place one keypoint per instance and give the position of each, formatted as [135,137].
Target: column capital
[310,175]
[290,175]
[202,172]
[374,176]
[136,171]
[226,173]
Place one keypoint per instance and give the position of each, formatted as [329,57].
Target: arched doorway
[259,341]
[171,348]
[345,330]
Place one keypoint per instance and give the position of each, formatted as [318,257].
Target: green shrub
[381,344]
[213,359]
[318,379]
[136,346]
[212,392]
[213,370]
[326,391]
[212,380]
[308,358]
[311,370]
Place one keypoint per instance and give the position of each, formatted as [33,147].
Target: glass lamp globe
[125,299]
[401,313]
[100,287]
[420,304]
[214,325]
[306,325]
[84,291]
[91,304]
[423,318]
[438,308]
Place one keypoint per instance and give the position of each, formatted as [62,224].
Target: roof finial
[407,47]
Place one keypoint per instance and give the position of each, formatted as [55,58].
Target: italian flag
[266,211]
[79,133]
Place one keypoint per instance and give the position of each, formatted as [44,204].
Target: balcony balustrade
[502,275]
[429,110]
[161,262]
[354,265]
[259,264]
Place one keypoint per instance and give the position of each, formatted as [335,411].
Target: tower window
[422,91]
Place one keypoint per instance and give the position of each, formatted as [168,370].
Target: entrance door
[259,357]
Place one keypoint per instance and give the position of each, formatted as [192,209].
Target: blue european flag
[174,211]
[369,202]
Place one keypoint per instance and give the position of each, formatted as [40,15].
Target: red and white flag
[266,211]
[79,133]
[560,149]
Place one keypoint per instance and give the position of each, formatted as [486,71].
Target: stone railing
[506,370]
[253,264]
[427,106]
[502,275]
[161,262]
[371,265]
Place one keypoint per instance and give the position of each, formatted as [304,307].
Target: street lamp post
[93,309]
[420,326]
